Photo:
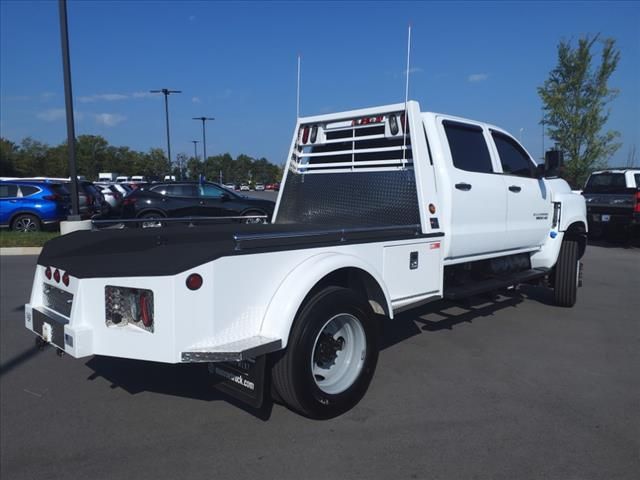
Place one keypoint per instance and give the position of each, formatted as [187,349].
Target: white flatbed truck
[380,210]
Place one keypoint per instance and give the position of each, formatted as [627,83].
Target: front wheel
[331,356]
[26,223]
[151,220]
[566,275]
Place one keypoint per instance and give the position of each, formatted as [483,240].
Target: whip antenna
[298,91]
[406,100]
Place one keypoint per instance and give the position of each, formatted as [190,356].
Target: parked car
[259,187]
[112,196]
[186,199]
[28,206]
[613,201]
[244,187]
[230,186]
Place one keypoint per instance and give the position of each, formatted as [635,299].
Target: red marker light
[47,273]
[56,275]
[145,311]
[305,134]
[194,281]
[65,279]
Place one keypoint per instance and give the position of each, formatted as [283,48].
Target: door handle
[463,186]
[201,202]
[515,188]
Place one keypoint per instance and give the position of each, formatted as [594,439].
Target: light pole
[166,92]
[195,148]
[68,96]
[521,130]
[204,138]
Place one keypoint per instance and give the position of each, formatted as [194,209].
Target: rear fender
[291,293]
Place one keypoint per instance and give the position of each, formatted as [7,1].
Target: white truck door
[478,197]
[529,207]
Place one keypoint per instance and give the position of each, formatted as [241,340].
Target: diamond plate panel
[350,199]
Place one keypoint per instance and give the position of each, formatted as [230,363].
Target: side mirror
[553,161]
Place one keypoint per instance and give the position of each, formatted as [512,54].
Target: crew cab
[380,210]
[613,201]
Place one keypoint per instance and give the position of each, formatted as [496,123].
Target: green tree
[575,100]
[8,157]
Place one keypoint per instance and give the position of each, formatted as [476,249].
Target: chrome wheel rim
[25,224]
[339,351]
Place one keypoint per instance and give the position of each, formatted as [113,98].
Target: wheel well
[17,214]
[254,209]
[578,231]
[358,280]
[151,210]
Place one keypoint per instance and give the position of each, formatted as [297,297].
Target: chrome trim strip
[203,355]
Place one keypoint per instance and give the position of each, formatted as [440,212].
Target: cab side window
[468,147]
[513,158]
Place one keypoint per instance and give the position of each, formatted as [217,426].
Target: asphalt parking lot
[511,389]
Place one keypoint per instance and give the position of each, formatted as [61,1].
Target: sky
[236,61]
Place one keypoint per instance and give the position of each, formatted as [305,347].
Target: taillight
[314,133]
[404,122]
[146,314]
[47,273]
[305,134]
[194,281]
[636,209]
[56,275]
[65,279]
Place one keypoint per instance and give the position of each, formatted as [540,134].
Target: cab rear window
[604,182]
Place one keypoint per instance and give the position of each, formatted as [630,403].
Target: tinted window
[468,148]
[60,189]
[176,190]
[8,191]
[513,158]
[28,190]
[603,182]
[211,191]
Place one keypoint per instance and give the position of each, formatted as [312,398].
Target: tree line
[31,158]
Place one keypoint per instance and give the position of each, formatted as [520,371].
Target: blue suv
[27,205]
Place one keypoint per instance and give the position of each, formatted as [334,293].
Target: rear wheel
[254,213]
[565,284]
[26,223]
[151,220]
[331,356]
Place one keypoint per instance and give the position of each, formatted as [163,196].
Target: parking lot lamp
[68,97]
[204,138]
[195,148]
[166,92]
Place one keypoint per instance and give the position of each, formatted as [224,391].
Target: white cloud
[109,119]
[412,70]
[17,98]
[107,97]
[52,114]
[144,95]
[195,100]
[477,77]
[192,18]
[225,94]
[55,114]
[47,96]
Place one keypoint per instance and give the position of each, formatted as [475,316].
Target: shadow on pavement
[180,380]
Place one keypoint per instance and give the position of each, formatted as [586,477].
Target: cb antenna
[406,100]
[298,91]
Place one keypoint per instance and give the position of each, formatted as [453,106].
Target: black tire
[565,280]
[292,374]
[26,223]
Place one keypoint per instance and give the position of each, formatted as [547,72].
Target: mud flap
[243,380]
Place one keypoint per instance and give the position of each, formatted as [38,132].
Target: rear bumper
[602,219]
[55,329]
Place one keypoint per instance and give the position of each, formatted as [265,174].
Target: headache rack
[364,143]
